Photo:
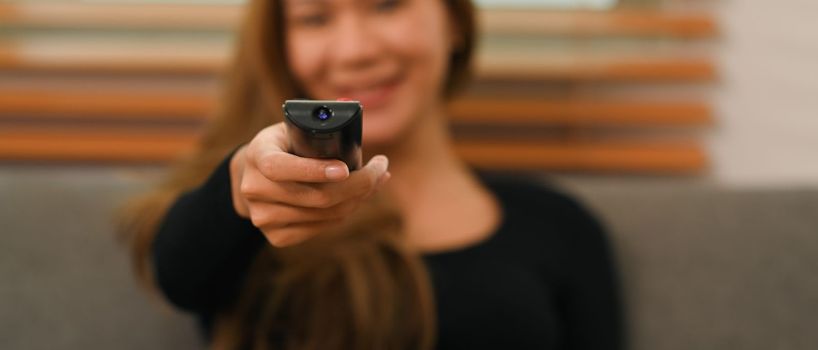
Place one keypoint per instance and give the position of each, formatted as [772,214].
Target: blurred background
[689,126]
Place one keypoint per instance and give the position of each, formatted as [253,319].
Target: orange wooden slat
[102,58]
[584,111]
[122,15]
[128,145]
[596,68]
[209,60]
[93,144]
[620,22]
[105,105]
[606,156]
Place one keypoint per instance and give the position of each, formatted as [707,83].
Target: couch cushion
[706,267]
[66,282]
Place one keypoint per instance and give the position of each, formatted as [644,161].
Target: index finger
[283,166]
[276,164]
[360,183]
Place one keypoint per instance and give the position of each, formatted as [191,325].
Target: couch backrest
[703,267]
[712,268]
[66,281]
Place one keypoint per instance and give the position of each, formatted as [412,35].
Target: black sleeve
[203,249]
[589,298]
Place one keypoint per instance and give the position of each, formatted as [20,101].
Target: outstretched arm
[203,247]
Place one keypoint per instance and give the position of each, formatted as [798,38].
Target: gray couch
[703,267]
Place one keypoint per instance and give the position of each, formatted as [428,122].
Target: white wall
[767,100]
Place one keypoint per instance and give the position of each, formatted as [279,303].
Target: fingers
[257,188]
[268,153]
[270,216]
[295,234]
[292,198]
[282,166]
[361,183]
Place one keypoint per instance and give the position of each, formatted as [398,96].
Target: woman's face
[392,55]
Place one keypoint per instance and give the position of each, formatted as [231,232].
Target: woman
[414,250]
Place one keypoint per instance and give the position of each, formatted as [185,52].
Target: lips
[372,95]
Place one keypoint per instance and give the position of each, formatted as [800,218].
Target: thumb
[378,166]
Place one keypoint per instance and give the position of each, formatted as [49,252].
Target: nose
[356,44]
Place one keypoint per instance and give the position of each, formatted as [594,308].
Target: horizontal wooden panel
[606,156]
[105,105]
[585,111]
[589,67]
[112,15]
[128,145]
[93,144]
[202,58]
[90,57]
[623,22]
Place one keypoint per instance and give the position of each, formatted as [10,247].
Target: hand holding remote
[291,198]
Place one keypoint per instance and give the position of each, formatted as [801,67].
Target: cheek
[425,45]
[420,44]
[304,59]
[425,51]
[420,94]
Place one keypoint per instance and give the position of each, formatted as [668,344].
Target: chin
[380,137]
[381,131]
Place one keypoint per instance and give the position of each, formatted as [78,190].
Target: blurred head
[392,55]
[400,58]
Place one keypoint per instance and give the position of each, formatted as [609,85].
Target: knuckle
[247,189]
[347,209]
[321,199]
[266,163]
[367,186]
[309,170]
[298,191]
[274,216]
[269,216]
[257,215]
[362,188]
[335,215]
[256,219]
[372,180]
[277,239]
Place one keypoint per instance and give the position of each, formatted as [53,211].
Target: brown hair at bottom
[355,287]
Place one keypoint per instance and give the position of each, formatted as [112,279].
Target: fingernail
[385,162]
[335,172]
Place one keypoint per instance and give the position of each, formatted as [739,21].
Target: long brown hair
[359,288]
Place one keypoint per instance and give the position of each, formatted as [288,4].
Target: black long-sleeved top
[544,280]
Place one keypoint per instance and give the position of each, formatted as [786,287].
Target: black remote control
[325,129]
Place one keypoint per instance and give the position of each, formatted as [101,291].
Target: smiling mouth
[373,96]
